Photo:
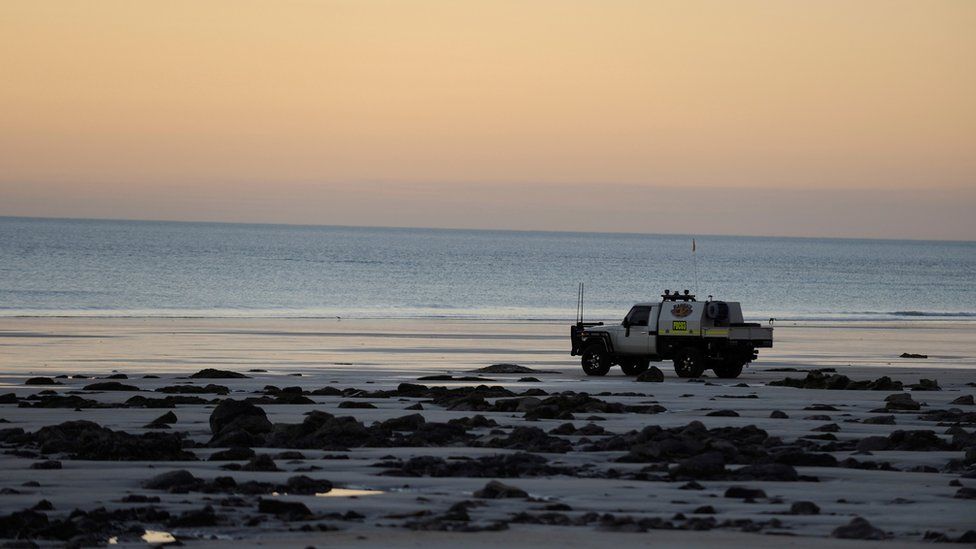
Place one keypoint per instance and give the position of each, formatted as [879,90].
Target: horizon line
[478,229]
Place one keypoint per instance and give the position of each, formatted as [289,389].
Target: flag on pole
[692,244]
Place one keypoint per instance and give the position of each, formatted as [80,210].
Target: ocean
[60,267]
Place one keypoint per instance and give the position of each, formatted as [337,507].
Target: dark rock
[707,465]
[41,381]
[290,510]
[497,490]
[529,380]
[110,386]
[691,485]
[354,404]
[195,518]
[237,453]
[304,485]
[49,464]
[43,505]
[8,398]
[162,421]
[912,355]
[819,379]
[828,428]
[140,401]
[767,471]
[510,369]
[58,401]
[704,510]
[723,413]
[87,440]
[872,444]
[901,401]
[194,389]
[238,423]
[532,439]
[417,406]
[117,376]
[740,492]
[322,430]
[411,422]
[925,385]
[262,462]
[965,493]
[858,528]
[965,400]
[804,508]
[652,375]
[494,466]
[821,408]
[179,480]
[776,414]
[211,373]
[140,498]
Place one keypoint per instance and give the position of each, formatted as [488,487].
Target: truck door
[636,337]
[653,329]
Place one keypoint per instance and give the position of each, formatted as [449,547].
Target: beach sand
[906,499]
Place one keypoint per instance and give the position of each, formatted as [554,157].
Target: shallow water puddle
[348,493]
[157,536]
[151,536]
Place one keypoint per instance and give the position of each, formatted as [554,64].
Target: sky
[770,117]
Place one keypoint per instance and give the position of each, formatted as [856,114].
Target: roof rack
[669,296]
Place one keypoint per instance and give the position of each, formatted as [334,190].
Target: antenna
[579,305]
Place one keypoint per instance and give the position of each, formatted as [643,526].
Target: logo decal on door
[681,310]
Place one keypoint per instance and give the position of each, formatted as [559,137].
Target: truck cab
[695,335]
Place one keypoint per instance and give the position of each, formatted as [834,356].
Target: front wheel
[728,370]
[595,360]
[689,362]
[635,366]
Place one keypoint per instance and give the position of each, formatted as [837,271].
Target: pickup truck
[695,335]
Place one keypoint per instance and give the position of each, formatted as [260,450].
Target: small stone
[179,479]
[497,490]
[740,492]
[262,462]
[804,508]
[858,528]
[776,414]
[44,465]
[880,420]
[651,375]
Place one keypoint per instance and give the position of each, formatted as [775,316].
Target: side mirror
[626,323]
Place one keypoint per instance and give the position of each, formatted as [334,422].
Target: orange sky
[422,112]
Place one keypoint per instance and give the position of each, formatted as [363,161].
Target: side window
[640,316]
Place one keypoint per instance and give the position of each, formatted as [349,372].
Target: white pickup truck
[696,335]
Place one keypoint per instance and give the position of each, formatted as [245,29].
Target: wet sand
[912,497]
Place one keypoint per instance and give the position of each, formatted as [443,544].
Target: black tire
[595,360]
[635,366]
[689,362]
[728,370]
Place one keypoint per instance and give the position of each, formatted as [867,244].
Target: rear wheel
[635,366]
[595,360]
[728,369]
[689,362]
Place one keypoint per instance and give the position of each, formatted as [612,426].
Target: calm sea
[135,268]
